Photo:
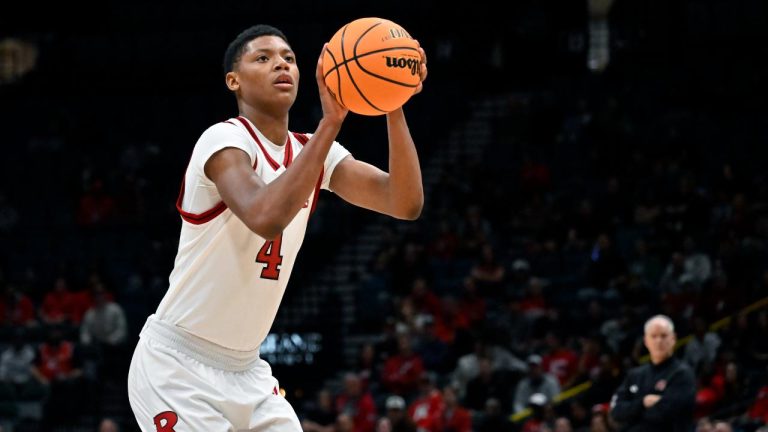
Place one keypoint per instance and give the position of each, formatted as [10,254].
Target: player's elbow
[265,228]
[411,211]
[414,212]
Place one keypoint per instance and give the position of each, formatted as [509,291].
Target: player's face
[660,341]
[267,73]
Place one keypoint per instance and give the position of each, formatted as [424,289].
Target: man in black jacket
[658,396]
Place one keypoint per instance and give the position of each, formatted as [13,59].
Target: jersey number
[271,255]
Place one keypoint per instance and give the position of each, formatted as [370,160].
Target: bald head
[661,320]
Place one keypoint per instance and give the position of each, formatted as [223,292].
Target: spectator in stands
[734,391]
[426,410]
[103,333]
[451,322]
[397,415]
[424,300]
[488,272]
[16,308]
[369,370]
[578,414]
[108,425]
[57,365]
[321,416]
[96,205]
[704,425]
[357,404]
[16,379]
[533,303]
[560,360]
[345,423]
[540,407]
[472,303]
[104,322]
[454,418]
[537,382]
[697,264]
[599,423]
[433,351]
[82,300]
[758,341]
[493,418]
[57,304]
[475,231]
[644,265]
[562,424]
[758,411]
[702,348]
[674,275]
[487,385]
[606,263]
[401,372]
[468,365]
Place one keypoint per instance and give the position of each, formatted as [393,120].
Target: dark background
[120,93]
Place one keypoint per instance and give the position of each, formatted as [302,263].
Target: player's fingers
[423,55]
[319,69]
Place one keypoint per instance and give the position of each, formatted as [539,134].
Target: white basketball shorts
[178,383]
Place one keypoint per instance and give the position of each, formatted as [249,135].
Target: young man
[246,197]
[659,395]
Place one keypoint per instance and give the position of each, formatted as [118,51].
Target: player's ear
[232,80]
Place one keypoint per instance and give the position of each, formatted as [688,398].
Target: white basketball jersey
[227,281]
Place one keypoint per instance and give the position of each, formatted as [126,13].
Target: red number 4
[271,255]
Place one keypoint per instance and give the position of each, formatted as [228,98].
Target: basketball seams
[354,54]
[338,76]
[362,82]
[346,64]
[366,54]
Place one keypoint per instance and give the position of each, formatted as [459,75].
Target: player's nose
[282,64]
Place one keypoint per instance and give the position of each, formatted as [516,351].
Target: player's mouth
[284,81]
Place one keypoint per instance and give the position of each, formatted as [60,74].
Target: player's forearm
[406,193]
[280,201]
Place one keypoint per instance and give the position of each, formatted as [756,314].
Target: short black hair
[237,47]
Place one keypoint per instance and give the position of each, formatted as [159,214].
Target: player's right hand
[332,110]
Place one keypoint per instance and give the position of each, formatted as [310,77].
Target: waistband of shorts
[204,351]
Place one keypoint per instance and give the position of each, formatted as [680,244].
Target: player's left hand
[422,71]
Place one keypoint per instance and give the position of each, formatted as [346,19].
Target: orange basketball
[372,66]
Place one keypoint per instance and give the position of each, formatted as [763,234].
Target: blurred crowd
[529,276]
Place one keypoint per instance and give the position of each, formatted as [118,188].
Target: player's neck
[274,127]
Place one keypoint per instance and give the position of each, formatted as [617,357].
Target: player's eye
[262,58]
[290,59]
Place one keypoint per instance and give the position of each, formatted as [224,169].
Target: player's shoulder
[225,131]
[227,127]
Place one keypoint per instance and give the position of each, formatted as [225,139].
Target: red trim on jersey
[301,138]
[247,125]
[288,152]
[317,191]
[208,215]
[198,219]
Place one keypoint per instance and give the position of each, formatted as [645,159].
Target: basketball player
[247,194]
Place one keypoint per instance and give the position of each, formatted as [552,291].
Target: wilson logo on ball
[396,32]
[403,63]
